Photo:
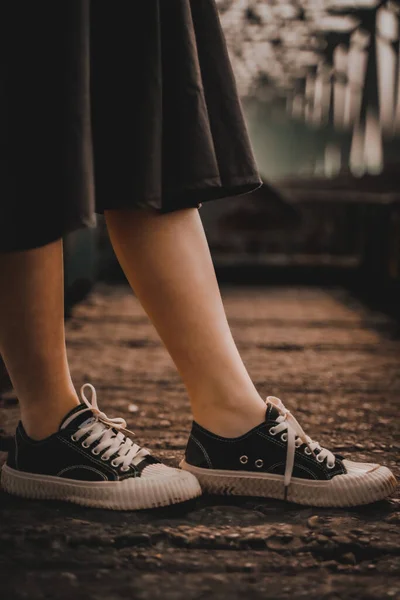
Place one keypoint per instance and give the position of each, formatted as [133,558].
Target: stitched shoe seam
[304,468]
[319,467]
[205,453]
[275,465]
[103,475]
[227,440]
[90,457]
[297,466]
[303,456]
[35,443]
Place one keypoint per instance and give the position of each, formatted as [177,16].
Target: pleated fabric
[114,106]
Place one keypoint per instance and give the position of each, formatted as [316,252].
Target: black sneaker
[90,461]
[278,460]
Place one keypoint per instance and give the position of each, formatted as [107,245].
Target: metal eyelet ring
[272,431]
[114,464]
[104,458]
[95,451]
[244,459]
[124,469]
[320,460]
[298,444]
[284,437]
[259,463]
[85,445]
[307,451]
[330,466]
[73,438]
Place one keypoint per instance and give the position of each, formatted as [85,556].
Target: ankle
[228,418]
[43,418]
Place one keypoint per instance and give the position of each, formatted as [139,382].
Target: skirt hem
[191,196]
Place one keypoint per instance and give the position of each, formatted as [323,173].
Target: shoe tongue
[78,417]
[272,413]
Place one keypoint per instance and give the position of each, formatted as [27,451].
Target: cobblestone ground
[335,363]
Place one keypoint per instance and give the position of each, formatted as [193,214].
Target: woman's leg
[168,264]
[85,450]
[167,261]
[32,340]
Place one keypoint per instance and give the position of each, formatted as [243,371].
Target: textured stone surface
[333,362]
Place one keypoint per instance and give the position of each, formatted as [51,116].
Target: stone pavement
[332,361]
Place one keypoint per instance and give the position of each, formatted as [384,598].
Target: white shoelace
[101,431]
[295,437]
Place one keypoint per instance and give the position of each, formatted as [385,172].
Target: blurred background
[310,267]
[319,81]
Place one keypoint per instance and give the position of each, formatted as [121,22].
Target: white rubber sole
[363,484]
[129,494]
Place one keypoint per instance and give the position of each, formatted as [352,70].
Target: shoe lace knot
[296,437]
[109,433]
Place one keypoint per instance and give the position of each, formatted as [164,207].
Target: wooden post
[387,33]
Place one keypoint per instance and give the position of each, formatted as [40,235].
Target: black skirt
[114,105]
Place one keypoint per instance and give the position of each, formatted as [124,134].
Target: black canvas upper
[58,455]
[257,451]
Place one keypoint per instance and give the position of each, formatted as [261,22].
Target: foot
[92,461]
[277,459]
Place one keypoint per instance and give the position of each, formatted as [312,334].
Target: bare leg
[168,264]
[32,340]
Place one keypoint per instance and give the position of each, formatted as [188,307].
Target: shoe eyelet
[320,460]
[307,451]
[298,444]
[284,437]
[114,464]
[104,458]
[95,451]
[244,459]
[272,431]
[85,445]
[259,463]
[124,469]
[330,466]
[73,438]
